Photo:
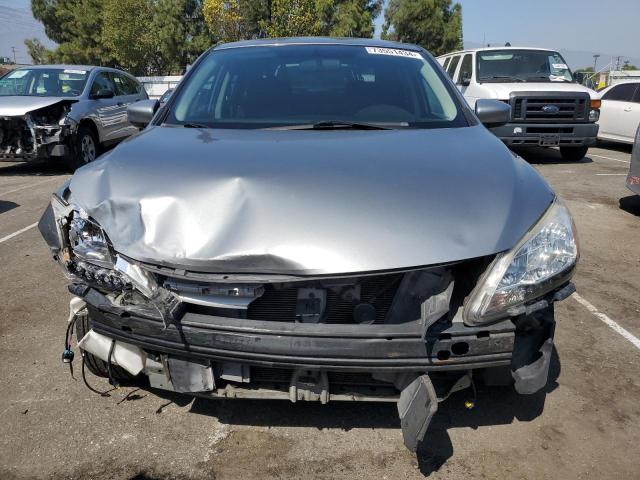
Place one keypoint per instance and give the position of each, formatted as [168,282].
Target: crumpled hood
[310,202]
[19,105]
[501,91]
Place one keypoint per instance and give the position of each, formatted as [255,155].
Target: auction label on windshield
[396,52]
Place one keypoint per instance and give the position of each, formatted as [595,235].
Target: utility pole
[595,62]
[13,49]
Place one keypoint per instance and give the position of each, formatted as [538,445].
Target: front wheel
[573,154]
[85,148]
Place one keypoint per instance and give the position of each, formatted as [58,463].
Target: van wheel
[93,363]
[573,154]
[85,148]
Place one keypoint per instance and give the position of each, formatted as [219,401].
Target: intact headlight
[543,260]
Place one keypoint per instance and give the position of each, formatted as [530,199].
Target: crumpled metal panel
[310,202]
[13,106]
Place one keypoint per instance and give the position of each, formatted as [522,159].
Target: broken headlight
[542,261]
[92,258]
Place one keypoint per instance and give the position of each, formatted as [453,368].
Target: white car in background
[548,107]
[619,112]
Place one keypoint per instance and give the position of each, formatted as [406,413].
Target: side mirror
[140,113]
[466,79]
[103,93]
[493,113]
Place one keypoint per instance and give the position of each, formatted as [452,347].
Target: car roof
[87,68]
[486,49]
[366,42]
[65,66]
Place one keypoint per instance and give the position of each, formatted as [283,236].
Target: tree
[292,18]
[348,18]
[225,19]
[629,66]
[435,25]
[126,33]
[37,51]
[144,36]
[180,35]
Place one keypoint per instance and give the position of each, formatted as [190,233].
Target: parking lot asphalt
[586,424]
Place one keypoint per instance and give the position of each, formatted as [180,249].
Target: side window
[120,81]
[466,68]
[132,85]
[451,69]
[622,93]
[446,62]
[636,97]
[101,82]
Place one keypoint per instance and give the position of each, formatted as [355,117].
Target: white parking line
[15,234]
[613,325]
[27,186]
[611,174]
[608,158]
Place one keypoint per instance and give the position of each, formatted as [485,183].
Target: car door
[453,65]
[618,112]
[634,116]
[126,93]
[103,111]
[463,78]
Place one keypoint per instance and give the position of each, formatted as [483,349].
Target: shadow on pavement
[631,204]
[618,147]
[546,156]
[494,406]
[36,168]
[5,206]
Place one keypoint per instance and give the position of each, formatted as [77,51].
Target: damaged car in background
[315,220]
[64,112]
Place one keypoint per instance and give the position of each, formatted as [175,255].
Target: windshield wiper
[338,124]
[503,77]
[195,125]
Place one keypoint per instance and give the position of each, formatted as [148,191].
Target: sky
[578,28]
[608,27]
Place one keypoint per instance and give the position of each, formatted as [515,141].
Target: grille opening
[460,348]
[532,108]
[443,355]
[279,304]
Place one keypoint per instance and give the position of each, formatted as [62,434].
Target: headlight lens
[92,259]
[88,242]
[542,260]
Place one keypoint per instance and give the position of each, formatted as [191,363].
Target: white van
[548,107]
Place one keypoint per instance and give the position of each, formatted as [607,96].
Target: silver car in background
[65,112]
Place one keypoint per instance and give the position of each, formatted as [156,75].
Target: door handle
[627,109]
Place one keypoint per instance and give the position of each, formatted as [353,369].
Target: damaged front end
[411,336]
[42,133]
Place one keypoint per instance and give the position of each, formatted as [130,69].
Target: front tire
[93,363]
[573,154]
[85,148]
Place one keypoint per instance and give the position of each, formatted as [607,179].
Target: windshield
[522,66]
[44,82]
[279,86]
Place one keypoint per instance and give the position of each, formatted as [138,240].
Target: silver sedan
[65,112]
